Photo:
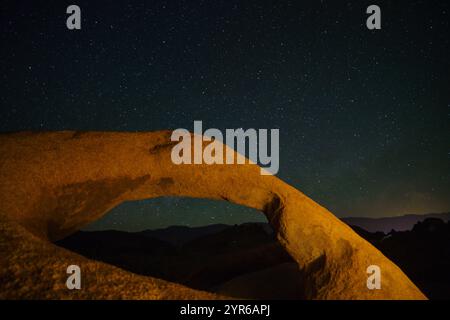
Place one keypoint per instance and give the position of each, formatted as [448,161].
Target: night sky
[363,115]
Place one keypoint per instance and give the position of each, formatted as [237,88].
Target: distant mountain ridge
[180,235]
[399,223]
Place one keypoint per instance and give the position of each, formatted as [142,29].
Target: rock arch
[53,183]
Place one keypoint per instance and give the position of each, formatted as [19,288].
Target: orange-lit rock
[52,184]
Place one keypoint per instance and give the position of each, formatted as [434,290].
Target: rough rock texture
[52,184]
[32,268]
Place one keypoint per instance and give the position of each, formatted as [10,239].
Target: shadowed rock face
[52,184]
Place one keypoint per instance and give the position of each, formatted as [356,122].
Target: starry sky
[363,115]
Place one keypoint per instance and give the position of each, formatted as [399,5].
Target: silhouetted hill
[216,254]
[232,238]
[423,253]
[400,223]
[179,235]
[113,242]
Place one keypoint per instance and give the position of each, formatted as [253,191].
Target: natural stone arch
[53,183]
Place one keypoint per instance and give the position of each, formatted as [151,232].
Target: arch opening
[208,245]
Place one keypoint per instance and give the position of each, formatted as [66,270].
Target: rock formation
[52,184]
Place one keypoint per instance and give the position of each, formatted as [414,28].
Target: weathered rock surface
[52,184]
